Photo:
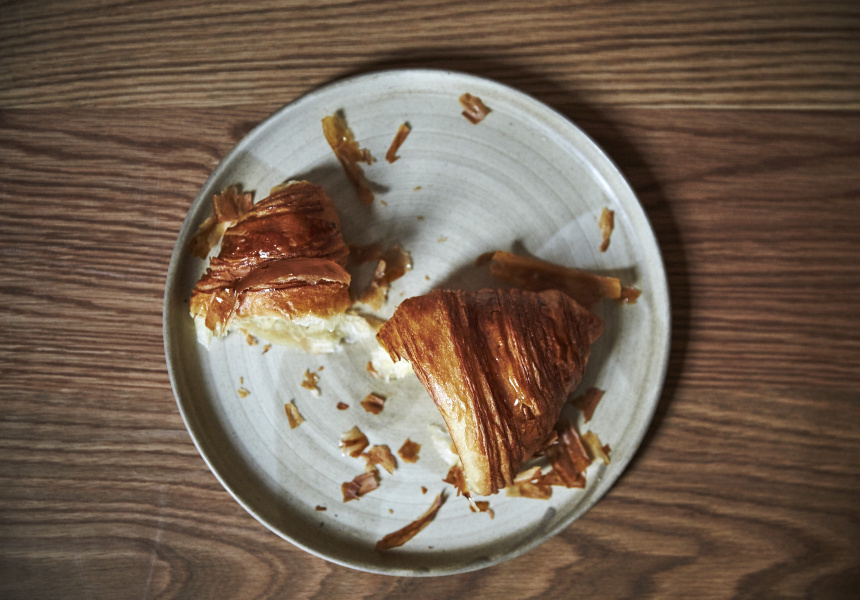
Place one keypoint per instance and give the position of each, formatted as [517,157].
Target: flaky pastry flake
[398,140]
[391,265]
[382,456]
[360,485]
[311,382]
[353,442]
[456,478]
[474,108]
[588,401]
[606,224]
[537,275]
[342,141]
[595,448]
[373,403]
[228,207]
[568,456]
[403,535]
[409,451]
[293,415]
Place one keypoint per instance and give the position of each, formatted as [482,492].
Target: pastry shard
[280,274]
[499,365]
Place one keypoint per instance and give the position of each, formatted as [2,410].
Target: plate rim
[664,310]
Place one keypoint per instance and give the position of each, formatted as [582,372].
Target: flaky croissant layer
[499,364]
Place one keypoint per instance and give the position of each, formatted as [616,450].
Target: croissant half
[279,273]
[499,364]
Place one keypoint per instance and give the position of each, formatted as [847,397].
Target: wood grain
[745,487]
[111,53]
[738,125]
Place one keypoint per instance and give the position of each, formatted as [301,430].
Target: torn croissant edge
[569,456]
[588,401]
[391,265]
[457,478]
[229,205]
[536,275]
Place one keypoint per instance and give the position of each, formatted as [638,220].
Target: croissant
[499,364]
[279,273]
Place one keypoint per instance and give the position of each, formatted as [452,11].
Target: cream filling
[443,445]
[387,368]
[309,333]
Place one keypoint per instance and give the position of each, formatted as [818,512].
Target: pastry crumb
[606,224]
[311,382]
[360,485]
[474,108]
[293,415]
[380,455]
[409,451]
[482,506]
[399,138]
[588,402]
[373,403]
[353,442]
[372,370]
[629,295]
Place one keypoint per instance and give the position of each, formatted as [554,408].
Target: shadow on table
[605,126]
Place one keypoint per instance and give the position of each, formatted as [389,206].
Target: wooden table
[737,125]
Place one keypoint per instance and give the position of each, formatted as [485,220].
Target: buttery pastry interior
[499,364]
[280,274]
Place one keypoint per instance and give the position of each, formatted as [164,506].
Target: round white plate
[524,179]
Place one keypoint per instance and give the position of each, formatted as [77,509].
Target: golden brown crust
[499,365]
[285,257]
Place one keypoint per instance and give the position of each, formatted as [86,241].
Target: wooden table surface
[738,126]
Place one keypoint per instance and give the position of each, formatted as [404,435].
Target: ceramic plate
[524,179]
